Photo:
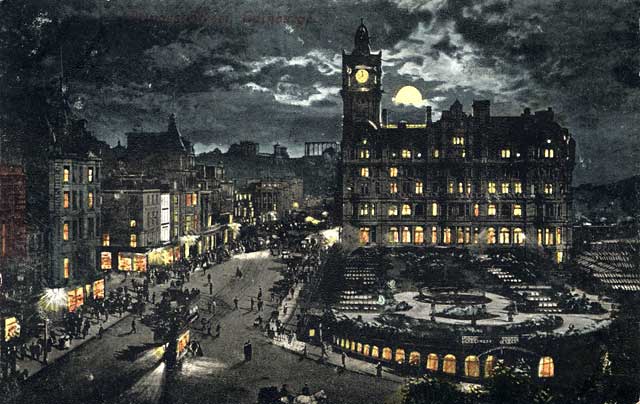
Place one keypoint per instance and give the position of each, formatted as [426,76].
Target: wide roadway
[125,367]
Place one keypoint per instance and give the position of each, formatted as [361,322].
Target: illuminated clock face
[362,76]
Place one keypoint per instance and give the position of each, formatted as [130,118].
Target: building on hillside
[473,180]
[244,149]
[268,199]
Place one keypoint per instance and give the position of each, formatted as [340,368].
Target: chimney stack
[385,117]
[428,116]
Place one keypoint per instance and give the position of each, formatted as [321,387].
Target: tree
[432,391]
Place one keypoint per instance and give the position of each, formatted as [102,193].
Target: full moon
[408,95]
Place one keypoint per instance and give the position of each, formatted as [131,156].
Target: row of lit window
[365,154]
[191,199]
[66,200]
[66,175]
[368,209]
[449,361]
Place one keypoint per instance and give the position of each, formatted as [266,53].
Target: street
[126,368]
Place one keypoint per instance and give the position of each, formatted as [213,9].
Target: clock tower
[361,84]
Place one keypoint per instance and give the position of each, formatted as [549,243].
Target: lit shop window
[491,187]
[447,235]
[364,171]
[66,174]
[434,235]
[505,187]
[472,366]
[449,364]
[106,240]
[65,231]
[489,365]
[491,209]
[545,367]
[406,153]
[393,172]
[133,240]
[505,153]
[432,362]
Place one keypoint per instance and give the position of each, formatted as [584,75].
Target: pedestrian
[260,293]
[235,303]
[284,309]
[209,328]
[153,298]
[344,359]
[100,331]
[379,369]
[210,288]
[213,306]
[251,303]
[247,351]
[305,390]
[218,330]
[260,303]
[133,327]
[209,278]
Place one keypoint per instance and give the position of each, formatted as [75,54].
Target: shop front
[75,299]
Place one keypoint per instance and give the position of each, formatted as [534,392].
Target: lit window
[504,235]
[65,199]
[539,236]
[90,200]
[187,199]
[406,209]
[517,187]
[491,187]
[364,153]
[432,362]
[366,349]
[393,187]
[406,235]
[400,357]
[419,187]
[434,209]
[375,351]
[517,210]
[364,171]
[393,172]
[364,235]
[489,364]
[106,240]
[559,257]
[65,231]
[472,366]
[468,188]
[406,153]
[548,153]
[476,210]
[476,235]
[491,209]
[434,235]
[90,175]
[414,358]
[393,235]
[518,236]
[133,240]
[364,209]
[364,141]
[505,153]
[460,235]
[132,223]
[463,153]
[545,367]
[548,236]
[418,235]
[65,174]
[458,140]
[65,266]
[491,235]
[392,211]
[194,199]
[558,235]
[447,235]
[449,364]
[436,153]
[450,190]
[548,189]
[460,187]
[505,187]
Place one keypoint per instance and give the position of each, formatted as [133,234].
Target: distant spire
[361,40]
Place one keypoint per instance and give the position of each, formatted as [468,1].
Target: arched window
[392,211]
[545,367]
[400,357]
[406,209]
[365,235]
[418,235]
[366,350]
[375,352]
[406,234]
[393,235]
[414,358]
[489,364]
[472,366]
[449,364]
[518,236]
[432,362]
[447,235]
[386,353]
[504,235]
[359,347]
[353,345]
[491,235]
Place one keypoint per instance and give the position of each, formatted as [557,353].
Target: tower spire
[361,40]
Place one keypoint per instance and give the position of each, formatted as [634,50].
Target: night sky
[270,71]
